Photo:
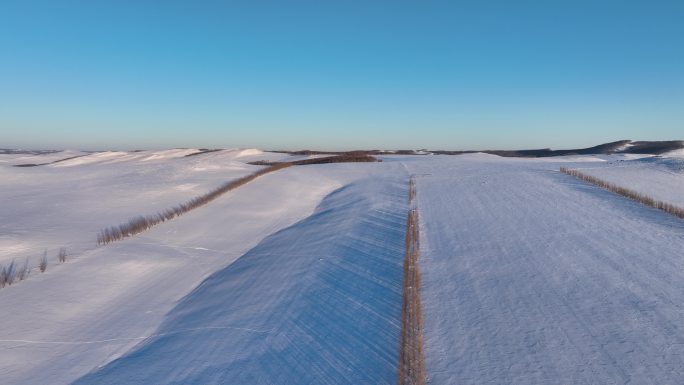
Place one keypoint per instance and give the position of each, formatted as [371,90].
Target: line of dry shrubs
[202,151]
[412,190]
[411,361]
[344,158]
[53,162]
[14,273]
[625,192]
[141,223]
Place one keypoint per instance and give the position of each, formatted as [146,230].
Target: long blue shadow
[316,303]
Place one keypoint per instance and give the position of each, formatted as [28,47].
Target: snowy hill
[528,275]
[293,307]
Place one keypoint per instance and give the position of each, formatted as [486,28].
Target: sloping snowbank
[318,302]
[675,153]
[60,325]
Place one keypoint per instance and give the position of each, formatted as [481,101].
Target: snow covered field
[529,276]
[662,178]
[65,204]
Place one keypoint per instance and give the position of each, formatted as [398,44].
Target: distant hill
[9,151]
[618,147]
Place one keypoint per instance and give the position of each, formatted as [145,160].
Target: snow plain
[529,276]
[532,277]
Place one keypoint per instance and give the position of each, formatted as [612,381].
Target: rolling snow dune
[67,203]
[19,159]
[533,277]
[316,303]
[104,301]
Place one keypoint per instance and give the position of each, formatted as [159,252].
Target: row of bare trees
[411,359]
[13,272]
[141,223]
[625,192]
[352,157]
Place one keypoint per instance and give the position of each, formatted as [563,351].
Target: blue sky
[340,75]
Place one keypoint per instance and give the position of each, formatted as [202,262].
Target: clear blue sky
[340,74]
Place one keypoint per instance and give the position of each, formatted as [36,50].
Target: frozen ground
[528,275]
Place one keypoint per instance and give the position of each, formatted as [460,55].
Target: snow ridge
[322,296]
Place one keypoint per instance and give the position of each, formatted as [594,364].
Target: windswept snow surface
[533,277]
[316,303]
[27,158]
[529,276]
[60,325]
[65,204]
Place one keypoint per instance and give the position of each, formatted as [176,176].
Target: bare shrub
[43,262]
[23,271]
[61,256]
[8,274]
[625,192]
[141,223]
[11,273]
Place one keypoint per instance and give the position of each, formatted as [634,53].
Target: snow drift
[318,302]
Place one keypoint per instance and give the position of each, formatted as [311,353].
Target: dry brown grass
[8,274]
[13,273]
[43,262]
[411,360]
[625,192]
[23,271]
[141,223]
